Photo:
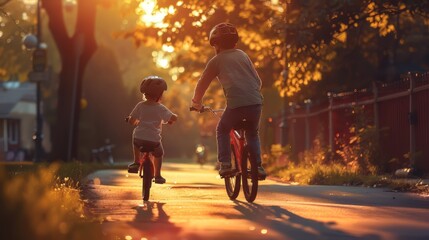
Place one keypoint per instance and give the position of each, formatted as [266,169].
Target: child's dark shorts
[158,149]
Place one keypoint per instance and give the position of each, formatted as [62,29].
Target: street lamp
[285,74]
[37,75]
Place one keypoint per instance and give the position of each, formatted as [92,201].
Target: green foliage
[360,149]
[317,155]
[346,44]
[187,29]
[338,174]
[41,205]
[353,42]
[16,22]
[353,165]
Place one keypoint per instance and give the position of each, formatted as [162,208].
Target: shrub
[40,205]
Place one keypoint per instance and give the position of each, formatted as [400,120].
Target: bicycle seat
[147,148]
[243,124]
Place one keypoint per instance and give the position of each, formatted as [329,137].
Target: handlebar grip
[203,109]
[194,109]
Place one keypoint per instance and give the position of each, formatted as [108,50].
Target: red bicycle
[245,168]
[146,170]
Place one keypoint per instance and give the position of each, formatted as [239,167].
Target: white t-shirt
[151,117]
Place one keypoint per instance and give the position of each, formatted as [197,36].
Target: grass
[336,174]
[43,201]
[75,171]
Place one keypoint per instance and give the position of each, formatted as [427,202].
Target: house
[18,121]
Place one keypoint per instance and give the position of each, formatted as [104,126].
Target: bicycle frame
[239,142]
[143,158]
[246,168]
[146,170]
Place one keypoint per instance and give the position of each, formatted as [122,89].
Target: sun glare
[151,15]
[32,2]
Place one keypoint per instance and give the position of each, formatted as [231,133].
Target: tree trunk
[75,53]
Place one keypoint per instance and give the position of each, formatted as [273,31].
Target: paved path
[193,205]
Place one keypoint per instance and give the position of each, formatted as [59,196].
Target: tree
[16,23]
[353,43]
[186,25]
[313,40]
[75,52]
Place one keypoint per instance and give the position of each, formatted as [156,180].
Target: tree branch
[4,2]
[85,24]
[56,24]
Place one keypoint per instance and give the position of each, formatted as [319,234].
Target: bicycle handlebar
[207,109]
[203,109]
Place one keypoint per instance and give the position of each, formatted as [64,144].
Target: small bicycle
[245,169]
[146,170]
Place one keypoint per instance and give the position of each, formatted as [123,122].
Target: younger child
[148,117]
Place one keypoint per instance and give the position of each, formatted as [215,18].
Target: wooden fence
[399,110]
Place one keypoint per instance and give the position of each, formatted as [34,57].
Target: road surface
[193,205]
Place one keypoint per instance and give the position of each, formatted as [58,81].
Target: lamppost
[37,75]
[285,74]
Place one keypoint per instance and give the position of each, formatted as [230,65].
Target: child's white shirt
[151,116]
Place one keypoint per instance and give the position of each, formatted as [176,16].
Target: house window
[13,133]
[1,128]
[2,134]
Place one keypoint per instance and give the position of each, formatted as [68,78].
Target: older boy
[242,89]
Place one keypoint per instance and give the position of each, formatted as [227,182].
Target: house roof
[11,93]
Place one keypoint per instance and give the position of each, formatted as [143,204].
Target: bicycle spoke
[250,177]
[232,182]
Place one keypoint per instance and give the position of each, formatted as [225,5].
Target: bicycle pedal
[133,170]
[233,173]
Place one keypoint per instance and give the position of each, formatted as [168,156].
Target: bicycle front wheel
[147,179]
[249,172]
[232,183]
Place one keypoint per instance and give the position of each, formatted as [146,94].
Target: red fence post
[412,120]
[375,106]
[292,141]
[307,123]
[331,122]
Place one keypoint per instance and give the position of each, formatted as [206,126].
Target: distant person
[242,89]
[147,117]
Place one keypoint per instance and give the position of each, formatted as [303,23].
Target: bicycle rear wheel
[232,183]
[147,179]
[249,172]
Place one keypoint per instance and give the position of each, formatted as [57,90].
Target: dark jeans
[229,119]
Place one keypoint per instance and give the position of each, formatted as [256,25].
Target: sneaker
[225,169]
[133,167]
[159,180]
[261,173]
